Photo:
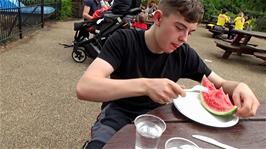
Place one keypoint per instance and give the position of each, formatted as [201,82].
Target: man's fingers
[178,90]
[246,108]
[255,107]
[236,100]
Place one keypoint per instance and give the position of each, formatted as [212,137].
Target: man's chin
[169,51]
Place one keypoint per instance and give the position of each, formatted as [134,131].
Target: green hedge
[66,9]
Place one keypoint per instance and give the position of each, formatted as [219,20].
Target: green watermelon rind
[224,113]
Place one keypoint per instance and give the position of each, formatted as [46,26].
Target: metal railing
[21,16]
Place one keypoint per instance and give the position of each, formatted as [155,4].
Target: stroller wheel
[79,55]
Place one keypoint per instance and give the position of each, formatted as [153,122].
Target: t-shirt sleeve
[88,3]
[114,49]
[195,68]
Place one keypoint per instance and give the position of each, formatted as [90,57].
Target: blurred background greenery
[254,8]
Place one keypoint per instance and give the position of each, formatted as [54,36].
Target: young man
[90,6]
[137,71]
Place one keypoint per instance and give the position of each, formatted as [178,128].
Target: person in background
[140,22]
[222,18]
[248,23]
[99,12]
[152,6]
[239,22]
[90,6]
[137,71]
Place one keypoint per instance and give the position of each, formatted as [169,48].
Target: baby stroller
[84,47]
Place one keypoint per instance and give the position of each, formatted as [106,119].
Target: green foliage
[66,9]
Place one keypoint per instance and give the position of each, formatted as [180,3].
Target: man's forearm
[104,89]
[87,16]
[229,86]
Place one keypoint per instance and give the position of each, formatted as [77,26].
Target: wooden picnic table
[248,133]
[240,44]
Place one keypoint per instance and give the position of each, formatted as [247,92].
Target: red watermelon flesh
[216,101]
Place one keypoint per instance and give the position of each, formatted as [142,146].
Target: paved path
[38,105]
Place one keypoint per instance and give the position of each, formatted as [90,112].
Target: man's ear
[157,17]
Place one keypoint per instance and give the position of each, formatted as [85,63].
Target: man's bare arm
[96,85]
[85,13]
[242,95]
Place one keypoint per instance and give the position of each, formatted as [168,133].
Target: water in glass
[147,135]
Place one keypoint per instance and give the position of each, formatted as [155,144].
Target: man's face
[172,31]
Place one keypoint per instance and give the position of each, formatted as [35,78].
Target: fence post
[42,12]
[19,20]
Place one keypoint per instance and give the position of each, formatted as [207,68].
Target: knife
[213,141]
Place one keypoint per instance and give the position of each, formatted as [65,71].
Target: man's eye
[179,28]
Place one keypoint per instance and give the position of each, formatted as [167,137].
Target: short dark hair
[191,10]
[224,11]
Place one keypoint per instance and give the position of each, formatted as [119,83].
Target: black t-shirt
[130,57]
[93,4]
[123,6]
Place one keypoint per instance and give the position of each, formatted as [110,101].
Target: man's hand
[246,101]
[163,90]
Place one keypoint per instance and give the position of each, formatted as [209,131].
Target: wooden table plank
[252,33]
[246,134]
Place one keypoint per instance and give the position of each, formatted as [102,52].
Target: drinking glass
[149,129]
[180,143]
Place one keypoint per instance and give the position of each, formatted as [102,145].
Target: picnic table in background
[241,44]
[248,133]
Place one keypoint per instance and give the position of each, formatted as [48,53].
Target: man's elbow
[80,92]
[84,15]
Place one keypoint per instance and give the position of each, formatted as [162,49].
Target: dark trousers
[111,119]
[231,33]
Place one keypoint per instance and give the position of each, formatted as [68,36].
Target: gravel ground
[38,104]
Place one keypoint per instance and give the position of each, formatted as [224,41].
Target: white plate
[191,107]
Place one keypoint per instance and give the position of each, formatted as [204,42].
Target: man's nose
[183,37]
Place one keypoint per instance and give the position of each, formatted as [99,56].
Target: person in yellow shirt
[222,18]
[219,29]
[248,23]
[239,21]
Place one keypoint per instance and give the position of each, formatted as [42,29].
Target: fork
[197,88]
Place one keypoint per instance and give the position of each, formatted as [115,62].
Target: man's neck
[151,42]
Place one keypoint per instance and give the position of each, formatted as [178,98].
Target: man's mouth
[175,45]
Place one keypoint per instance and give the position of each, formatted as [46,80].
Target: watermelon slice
[216,101]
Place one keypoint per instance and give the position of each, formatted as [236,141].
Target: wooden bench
[260,55]
[228,47]
[254,49]
[231,41]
